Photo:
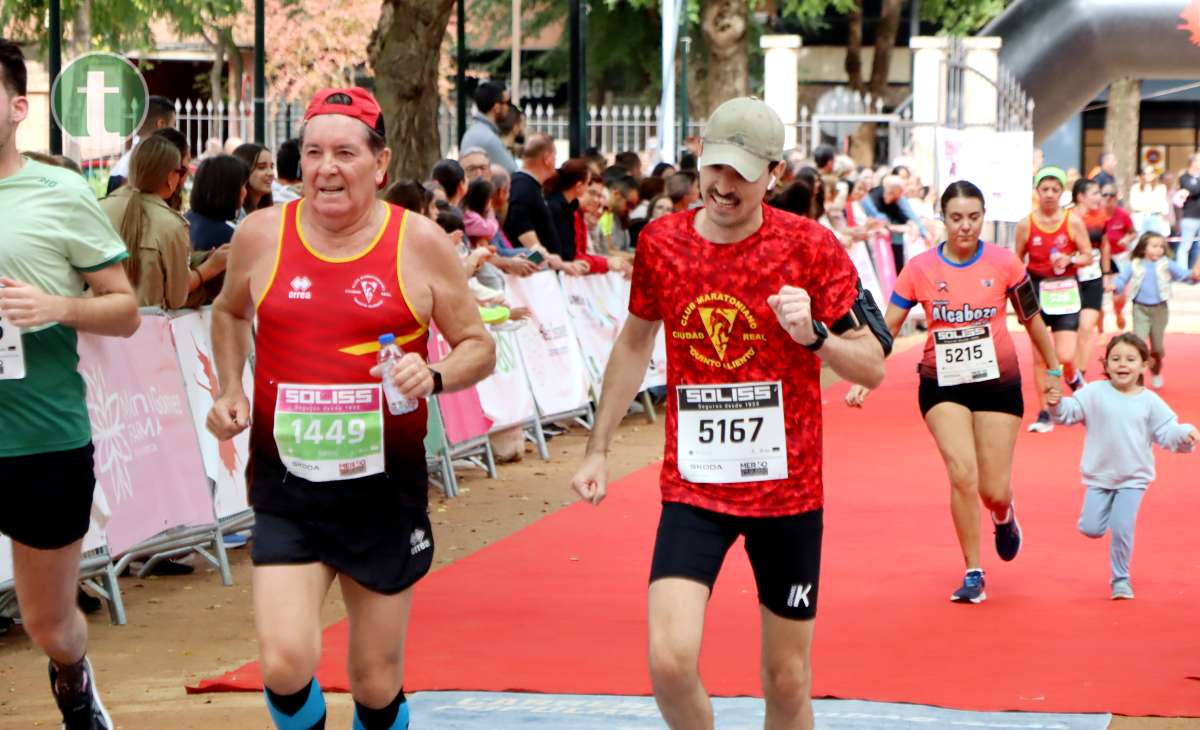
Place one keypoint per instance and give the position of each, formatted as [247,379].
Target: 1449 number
[731,431]
[339,432]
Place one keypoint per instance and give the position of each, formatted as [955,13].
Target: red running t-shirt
[964,295]
[1117,228]
[712,299]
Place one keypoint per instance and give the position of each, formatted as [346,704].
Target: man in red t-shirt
[1119,234]
[754,299]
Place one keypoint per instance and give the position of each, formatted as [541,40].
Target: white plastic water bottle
[1059,269]
[389,353]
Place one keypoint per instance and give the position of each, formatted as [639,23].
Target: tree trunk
[724,25]
[405,50]
[1121,130]
[237,67]
[217,74]
[862,142]
[81,29]
[853,63]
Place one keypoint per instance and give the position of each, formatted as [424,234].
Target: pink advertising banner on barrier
[461,412]
[147,456]
[553,358]
[224,461]
[505,395]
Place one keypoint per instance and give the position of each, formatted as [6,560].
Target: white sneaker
[1156,381]
[1043,424]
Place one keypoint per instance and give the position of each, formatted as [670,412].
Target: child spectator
[1123,421]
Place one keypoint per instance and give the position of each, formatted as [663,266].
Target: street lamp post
[260,73]
[54,66]
[577,87]
[460,78]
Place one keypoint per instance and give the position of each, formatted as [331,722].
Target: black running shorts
[1091,294]
[975,397]
[1062,322]
[47,500]
[784,552]
[384,546]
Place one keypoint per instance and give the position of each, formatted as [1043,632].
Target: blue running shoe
[972,589]
[1008,536]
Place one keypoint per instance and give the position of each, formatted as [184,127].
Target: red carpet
[559,607]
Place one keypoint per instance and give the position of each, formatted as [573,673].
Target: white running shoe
[1043,424]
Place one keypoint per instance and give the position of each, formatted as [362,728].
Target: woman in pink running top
[970,392]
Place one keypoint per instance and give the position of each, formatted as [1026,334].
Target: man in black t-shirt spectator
[528,221]
[1189,222]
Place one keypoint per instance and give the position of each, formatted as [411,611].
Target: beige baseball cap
[745,134]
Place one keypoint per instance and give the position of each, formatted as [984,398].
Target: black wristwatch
[822,333]
[437,381]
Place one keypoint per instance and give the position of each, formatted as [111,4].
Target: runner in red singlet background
[1119,235]
[1055,242]
[1090,207]
[337,482]
[753,299]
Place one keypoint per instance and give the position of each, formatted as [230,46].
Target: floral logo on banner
[125,426]
[1191,21]
[113,452]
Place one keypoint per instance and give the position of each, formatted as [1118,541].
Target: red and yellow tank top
[1041,242]
[319,321]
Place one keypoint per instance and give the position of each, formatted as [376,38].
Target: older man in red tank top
[337,480]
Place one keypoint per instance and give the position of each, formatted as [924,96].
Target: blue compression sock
[392,717]
[290,713]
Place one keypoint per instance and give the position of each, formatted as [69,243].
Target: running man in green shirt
[56,241]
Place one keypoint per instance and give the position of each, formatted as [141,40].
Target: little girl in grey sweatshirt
[1124,420]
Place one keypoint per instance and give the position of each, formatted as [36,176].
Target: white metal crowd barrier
[167,488]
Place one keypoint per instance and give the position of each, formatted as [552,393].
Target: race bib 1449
[330,433]
[729,434]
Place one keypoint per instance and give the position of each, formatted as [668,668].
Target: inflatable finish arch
[1065,52]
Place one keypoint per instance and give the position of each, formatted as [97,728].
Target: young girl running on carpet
[1149,276]
[1124,420]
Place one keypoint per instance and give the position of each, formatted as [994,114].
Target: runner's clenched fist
[793,309]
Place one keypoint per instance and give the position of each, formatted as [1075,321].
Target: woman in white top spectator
[1149,204]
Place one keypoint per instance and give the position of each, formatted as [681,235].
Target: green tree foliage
[961,17]
[115,24]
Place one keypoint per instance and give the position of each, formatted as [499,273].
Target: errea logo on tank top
[300,288]
[369,291]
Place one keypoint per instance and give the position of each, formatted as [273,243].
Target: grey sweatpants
[1150,323]
[1115,510]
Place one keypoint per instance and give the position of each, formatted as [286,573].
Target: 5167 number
[732,431]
